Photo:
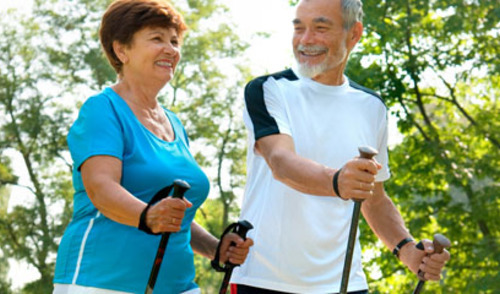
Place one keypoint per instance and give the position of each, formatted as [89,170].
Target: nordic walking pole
[440,242]
[241,229]
[180,187]
[368,153]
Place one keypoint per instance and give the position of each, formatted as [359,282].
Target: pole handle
[367,152]
[440,243]
[241,229]
[180,187]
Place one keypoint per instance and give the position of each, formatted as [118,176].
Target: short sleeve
[265,110]
[97,131]
[383,156]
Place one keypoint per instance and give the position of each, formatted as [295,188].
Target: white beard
[312,71]
[308,70]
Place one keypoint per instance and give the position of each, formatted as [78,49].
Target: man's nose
[307,37]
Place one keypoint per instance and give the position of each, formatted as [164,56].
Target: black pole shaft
[350,247]
[419,287]
[180,187]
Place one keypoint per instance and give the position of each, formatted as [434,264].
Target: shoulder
[366,91]
[256,84]
[97,102]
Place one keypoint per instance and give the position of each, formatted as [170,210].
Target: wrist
[402,246]
[143,224]
[335,184]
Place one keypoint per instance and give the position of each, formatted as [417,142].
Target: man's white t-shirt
[300,239]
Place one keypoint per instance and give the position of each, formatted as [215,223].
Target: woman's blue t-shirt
[99,252]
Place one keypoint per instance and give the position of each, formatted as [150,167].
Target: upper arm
[97,131]
[98,171]
[265,109]
[274,146]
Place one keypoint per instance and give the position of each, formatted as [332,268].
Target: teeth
[164,63]
[312,50]
[312,53]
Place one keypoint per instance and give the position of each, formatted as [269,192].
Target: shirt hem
[283,287]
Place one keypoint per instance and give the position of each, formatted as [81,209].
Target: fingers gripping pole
[241,228]
[440,243]
[366,152]
[180,187]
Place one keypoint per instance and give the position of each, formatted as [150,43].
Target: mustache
[312,48]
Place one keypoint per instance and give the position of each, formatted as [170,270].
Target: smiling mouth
[311,51]
[311,54]
[164,63]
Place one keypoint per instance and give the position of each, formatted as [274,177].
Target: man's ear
[355,33]
[119,50]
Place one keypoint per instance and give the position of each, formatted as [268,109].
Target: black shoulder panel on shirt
[263,123]
[366,90]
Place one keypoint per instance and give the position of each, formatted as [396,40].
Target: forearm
[299,173]
[384,218]
[113,201]
[303,175]
[101,176]
[202,241]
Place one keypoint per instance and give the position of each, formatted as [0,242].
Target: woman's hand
[167,215]
[235,253]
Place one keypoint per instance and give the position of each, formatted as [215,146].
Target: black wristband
[163,193]
[400,245]
[336,184]
[142,222]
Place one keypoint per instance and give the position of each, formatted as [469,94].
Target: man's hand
[357,178]
[427,261]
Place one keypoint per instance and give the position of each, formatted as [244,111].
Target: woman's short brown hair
[124,18]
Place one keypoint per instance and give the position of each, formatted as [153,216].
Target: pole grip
[180,187]
[440,243]
[367,152]
[242,228]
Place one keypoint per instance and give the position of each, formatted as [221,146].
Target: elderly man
[305,125]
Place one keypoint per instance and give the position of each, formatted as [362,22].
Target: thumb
[187,202]
[428,246]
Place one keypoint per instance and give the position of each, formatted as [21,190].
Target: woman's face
[153,54]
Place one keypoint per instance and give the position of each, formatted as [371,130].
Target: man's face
[319,39]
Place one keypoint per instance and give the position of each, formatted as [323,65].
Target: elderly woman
[126,147]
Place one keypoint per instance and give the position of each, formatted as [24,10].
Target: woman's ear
[120,53]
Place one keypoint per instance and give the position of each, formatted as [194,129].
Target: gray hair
[352,11]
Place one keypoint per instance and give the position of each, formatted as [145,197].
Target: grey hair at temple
[352,11]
